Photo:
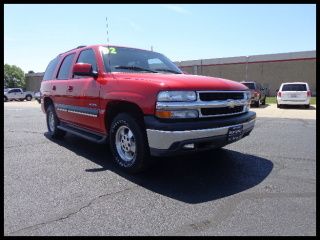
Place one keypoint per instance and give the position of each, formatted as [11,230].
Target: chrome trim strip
[77,110]
[159,139]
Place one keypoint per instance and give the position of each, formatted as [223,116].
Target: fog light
[189,146]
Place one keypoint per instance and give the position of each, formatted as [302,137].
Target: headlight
[177,114]
[177,96]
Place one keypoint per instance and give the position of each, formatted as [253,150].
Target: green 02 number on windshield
[110,50]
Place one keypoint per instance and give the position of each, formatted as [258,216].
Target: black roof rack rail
[82,46]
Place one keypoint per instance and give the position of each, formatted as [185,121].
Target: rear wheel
[307,106]
[257,103]
[52,123]
[129,144]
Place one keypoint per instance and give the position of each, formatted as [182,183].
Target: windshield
[122,59]
[249,85]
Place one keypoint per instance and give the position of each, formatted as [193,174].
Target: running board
[91,136]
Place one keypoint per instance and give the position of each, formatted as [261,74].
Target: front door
[83,94]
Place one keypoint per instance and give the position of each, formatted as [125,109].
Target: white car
[294,93]
[17,94]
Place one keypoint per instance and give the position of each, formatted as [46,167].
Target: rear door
[60,88]
[294,92]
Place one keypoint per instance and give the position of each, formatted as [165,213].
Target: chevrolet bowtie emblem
[231,103]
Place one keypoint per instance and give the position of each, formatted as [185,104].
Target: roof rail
[82,46]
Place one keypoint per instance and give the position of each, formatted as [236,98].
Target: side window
[65,67]
[88,56]
[50,69]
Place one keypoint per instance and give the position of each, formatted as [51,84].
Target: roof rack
[82,46]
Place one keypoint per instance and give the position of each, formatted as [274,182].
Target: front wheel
[128,143]
[28,97]
[52,123]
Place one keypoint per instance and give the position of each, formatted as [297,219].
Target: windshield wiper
[134,68]
[167,70]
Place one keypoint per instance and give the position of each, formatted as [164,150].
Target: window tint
[50,69]
[65,67]
[294,87]
[88,56]
[249,85]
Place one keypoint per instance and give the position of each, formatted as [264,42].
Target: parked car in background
[258,93]
[37,96]
[294,93]
[17,94]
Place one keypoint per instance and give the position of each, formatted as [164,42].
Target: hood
[183,81]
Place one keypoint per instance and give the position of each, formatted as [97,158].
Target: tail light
[309,93]
[279,94]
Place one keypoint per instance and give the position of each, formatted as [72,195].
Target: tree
[13,76]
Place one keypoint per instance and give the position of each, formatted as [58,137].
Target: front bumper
[168,138]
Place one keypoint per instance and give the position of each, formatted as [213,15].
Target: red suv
[142,103]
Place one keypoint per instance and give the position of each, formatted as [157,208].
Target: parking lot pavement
[264,184]
[295,112]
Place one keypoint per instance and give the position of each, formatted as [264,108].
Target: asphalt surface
[265,184]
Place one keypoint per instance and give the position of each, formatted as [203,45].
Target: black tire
[141,158]
[53,131]
[5,99]
[28,97]
[307,106]
[257,103]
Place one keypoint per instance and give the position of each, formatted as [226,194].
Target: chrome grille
[221,111]
[212,103]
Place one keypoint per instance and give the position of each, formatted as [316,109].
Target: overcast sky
[36,33]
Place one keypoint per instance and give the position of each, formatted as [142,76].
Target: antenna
[108,43]
[107,30]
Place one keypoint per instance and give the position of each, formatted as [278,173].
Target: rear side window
[65,67]
[88,56]
[294,87]
[50,69]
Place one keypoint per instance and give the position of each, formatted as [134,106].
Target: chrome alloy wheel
[51,121]
[125,143]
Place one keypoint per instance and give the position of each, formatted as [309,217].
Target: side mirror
[84,69]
